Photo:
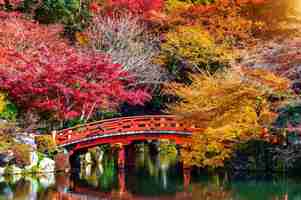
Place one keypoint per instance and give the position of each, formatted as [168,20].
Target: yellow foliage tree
[225,20]
[231,107]
[195,46]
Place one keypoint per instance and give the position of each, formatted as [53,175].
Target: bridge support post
[121,157]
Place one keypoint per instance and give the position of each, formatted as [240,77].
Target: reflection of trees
[167,154]
[210,192]
[28,188]
[269,190]
[107,180]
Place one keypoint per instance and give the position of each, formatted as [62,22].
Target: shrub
[45,143]
[74,14]
[8,110]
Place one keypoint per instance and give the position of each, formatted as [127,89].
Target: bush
[74,14]
[8,110]
[45,143]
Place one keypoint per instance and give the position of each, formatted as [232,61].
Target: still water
[158,177]
[144,186]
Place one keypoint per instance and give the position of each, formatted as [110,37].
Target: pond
[143,185]
[150,177]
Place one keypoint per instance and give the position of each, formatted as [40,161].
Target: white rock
[47,165]
[2,170]
[34,159]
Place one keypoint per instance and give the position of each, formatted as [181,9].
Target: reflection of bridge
[68,189]
[124,131]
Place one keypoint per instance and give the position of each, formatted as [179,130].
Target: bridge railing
[124,124]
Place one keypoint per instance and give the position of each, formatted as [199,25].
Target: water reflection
[155,177]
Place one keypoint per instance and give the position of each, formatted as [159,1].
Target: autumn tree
[192,49]
[68,86]
[225,20]
[27,36]
[128,42]
[280,55]
[134,6]
[43,74]
[232,107]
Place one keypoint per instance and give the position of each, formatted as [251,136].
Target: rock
[2,170]
[47,165]
[34,158]
[26,139]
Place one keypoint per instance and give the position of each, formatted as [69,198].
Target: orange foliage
[231,107]
[224,19]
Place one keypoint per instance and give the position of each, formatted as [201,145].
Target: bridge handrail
[125,127]
[112,120]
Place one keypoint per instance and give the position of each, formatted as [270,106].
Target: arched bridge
[124,130]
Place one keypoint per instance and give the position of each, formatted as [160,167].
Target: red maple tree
[67,86]
[43,73]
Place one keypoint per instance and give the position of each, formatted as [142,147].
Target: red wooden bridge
[124,130]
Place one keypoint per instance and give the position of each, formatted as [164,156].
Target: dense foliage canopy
[70,61]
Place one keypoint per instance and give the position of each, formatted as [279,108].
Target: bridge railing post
[53,133]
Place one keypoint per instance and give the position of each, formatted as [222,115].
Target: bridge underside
[126,138]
